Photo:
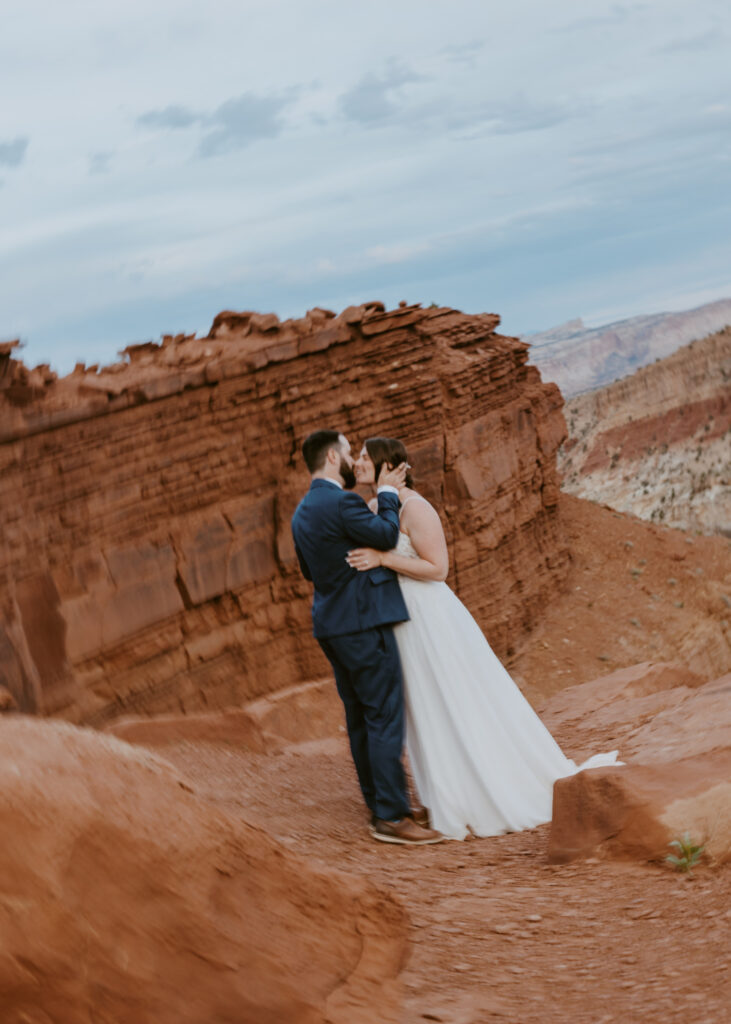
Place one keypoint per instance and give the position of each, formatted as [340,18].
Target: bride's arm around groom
[421,524]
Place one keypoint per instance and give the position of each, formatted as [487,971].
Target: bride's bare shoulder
[373,504]
[415,507]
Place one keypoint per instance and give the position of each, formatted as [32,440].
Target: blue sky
[162,161]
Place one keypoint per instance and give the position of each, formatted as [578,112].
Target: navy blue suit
[352,616]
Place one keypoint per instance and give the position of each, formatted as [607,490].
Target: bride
[482,760]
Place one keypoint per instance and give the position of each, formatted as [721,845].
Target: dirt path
[497,933]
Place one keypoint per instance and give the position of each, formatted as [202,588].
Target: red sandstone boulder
[125,897]
[635,811]
[674,733]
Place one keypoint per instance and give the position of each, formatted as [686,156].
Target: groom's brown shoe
[406,832]
[421,816]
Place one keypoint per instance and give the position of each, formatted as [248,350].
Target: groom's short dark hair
[316,447]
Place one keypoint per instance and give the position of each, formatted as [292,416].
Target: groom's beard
[348,474]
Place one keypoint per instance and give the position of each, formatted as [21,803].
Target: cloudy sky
[163,160]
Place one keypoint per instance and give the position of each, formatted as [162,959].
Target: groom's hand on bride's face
[392,476]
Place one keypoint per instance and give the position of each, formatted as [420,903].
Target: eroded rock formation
[126,896]
[146,563]
[657,443]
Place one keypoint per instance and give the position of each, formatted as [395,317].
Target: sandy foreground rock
[674,732]
[126,897]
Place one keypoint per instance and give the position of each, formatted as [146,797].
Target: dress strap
[405,502]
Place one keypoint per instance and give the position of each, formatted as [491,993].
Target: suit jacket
[328,523]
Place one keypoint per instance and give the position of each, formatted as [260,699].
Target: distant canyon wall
[580,358]
[658,443]
[146,561]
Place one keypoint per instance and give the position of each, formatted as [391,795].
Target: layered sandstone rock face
[147,564]
[657,444]
[579,358]
[125,896]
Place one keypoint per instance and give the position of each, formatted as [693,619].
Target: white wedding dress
[482,760]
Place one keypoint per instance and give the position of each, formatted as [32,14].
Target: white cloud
[698,43]
[173,117]
[374,97]
[613,15]
[242,120]
[100,162]
[12,152]
[396,252]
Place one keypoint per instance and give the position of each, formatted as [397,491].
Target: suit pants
[368,677]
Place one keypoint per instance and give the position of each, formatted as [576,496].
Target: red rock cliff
[656,443]
[146,562]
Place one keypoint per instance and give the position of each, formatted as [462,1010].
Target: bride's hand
[363,559]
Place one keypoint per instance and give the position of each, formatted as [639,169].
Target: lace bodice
[405,547]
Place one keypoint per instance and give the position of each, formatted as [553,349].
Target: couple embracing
[410,661]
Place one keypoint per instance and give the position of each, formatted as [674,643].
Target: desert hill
[658,443]
[635,591]
[579,358]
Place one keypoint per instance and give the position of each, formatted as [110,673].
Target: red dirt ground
[496,932]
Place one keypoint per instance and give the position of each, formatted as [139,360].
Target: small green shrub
[688,854]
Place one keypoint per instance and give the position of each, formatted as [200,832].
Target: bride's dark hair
[389,450]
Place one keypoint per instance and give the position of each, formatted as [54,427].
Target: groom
[352,615]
